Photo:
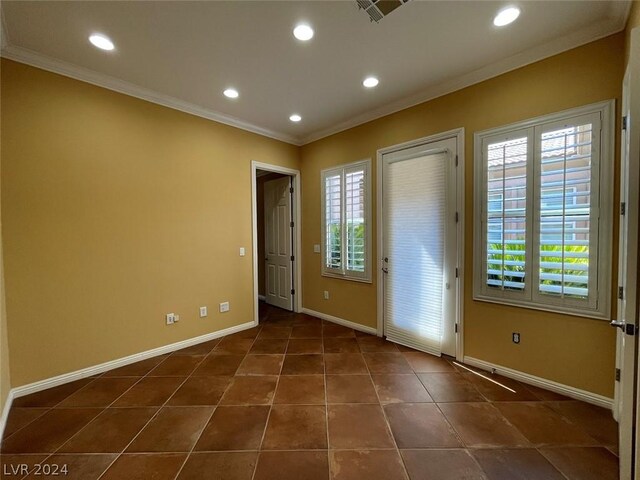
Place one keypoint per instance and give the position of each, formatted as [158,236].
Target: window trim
[363,277]
[605,210]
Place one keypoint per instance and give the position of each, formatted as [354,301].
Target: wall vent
[378,9]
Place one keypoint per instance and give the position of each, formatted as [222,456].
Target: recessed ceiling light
[370,82]
[295,117]
[102,42]
[303,32]
[231,93]
[506,16]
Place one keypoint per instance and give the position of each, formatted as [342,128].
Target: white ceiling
[184,54]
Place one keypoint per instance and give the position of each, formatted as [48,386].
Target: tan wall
[632,22]
[575,351]
[5,376]
[116,211]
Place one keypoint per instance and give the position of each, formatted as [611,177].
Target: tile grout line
[326,401]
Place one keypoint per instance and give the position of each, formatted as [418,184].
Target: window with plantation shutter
[543,212]
[345,227]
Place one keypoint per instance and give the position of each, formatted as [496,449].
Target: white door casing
[278,242]
[419,198]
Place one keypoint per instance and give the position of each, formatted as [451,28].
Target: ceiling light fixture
[370,82]
[295,117]
[303,32]
[231,93]
[506,16]
[102,42]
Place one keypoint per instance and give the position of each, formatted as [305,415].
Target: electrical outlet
[515,336]
[224,307]
[242,252]
[170,318]
[326,294]
[203,312]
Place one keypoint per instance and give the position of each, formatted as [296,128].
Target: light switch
[242,251]
[316,248]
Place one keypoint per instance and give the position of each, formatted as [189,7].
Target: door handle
[628,328]
[618,324]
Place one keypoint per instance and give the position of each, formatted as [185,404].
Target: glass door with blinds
[419,246]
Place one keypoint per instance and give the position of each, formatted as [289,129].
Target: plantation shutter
[333,221]
[355,218]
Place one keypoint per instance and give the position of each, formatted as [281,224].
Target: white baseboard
[340,321]
[121,362]
[556,387]
[262,297]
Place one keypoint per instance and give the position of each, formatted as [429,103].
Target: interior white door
[627,392]
[419,246]
[278,241]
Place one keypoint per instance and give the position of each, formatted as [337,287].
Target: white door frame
[296,247]
[458,134]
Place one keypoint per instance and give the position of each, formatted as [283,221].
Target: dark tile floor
[299,398]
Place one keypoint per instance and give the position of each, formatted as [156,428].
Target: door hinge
[620,293]
[457,217]
[456,328]
[623,208]
[624,122]
[293,291]
[456,160]
[457,273]
[617,374]
[291,224]
[290,189]
[292,258]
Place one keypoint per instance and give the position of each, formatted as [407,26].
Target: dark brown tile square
[250,390]
[372,344]
[269,345]
[516,464]
[234,428]
[273,331]
[300,390]
[514,391]
[358,426]
[296,427]
[261,365]
[366,464]
[248,333]
[110,432]
[482,425]
[303,365]
[173,429]
[144,466]
[150,391]
[345,363]
[333,330]
[304,345]
[400,389]
[216,364]
[219,466]
[583,463]
[200,391]
[137,369]
[420,425]
[47,433]
[442,464]
[380,362]
[426,363]
[541,425]
[341,345]
[78,467]
[307,331]
[99,393]
[233,346]
[292,466]
[203,348]
[596,421]
[304,319]
[51,396]
[21,417]
[350,389]
[177,366]
[450,387]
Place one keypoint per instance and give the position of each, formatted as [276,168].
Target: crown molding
[604,28]
[44,62]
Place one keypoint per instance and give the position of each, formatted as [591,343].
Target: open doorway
[276,236]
